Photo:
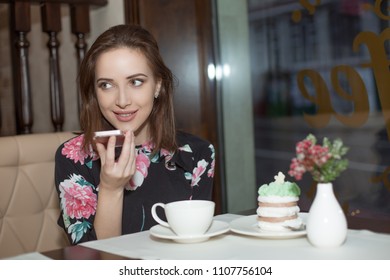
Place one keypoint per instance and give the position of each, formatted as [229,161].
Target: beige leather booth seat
[29,205]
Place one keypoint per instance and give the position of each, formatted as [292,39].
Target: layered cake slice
[278,205]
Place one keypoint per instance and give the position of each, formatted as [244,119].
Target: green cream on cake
[287,189]
[280,188]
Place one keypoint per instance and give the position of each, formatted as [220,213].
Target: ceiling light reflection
[218,72]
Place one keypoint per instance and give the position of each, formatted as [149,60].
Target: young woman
[104,190]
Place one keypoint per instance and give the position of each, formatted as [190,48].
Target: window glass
[322,67]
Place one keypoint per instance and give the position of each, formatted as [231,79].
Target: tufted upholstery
[28,201]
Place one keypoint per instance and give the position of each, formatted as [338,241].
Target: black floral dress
[166,177]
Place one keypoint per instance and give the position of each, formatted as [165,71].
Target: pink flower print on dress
[142,163]
[186,148]
[210,173]
[73,150]
[148,146]
[198,172]
[77,201]
[167,154]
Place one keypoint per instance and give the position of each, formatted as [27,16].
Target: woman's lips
[125,116]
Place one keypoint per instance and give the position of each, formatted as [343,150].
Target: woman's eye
[105,85]
[137,82]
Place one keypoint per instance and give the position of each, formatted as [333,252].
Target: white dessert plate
[216,228]
[248,226]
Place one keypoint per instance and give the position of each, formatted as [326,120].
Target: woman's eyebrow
[136,75]
[104,79]
[128,78]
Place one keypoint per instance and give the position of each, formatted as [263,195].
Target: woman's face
[125,89]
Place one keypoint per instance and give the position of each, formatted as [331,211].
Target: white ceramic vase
[326,223]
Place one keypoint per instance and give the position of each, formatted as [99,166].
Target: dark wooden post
[80,26]
[20,22]
[51,24]
[132,13]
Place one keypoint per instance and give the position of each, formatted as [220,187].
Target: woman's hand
[116,174]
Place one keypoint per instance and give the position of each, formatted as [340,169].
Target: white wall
[103,18]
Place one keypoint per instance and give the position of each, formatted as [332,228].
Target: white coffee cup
[186,217]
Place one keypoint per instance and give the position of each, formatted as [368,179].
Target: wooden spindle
[20,22]
[51,24]
[80,26]
[132,11]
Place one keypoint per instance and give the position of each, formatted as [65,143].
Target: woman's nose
[124,98]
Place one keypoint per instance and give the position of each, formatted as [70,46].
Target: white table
[360,244]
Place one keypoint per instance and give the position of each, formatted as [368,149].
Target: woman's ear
[158,87]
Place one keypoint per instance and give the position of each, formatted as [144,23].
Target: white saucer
[216,228]
[248,226]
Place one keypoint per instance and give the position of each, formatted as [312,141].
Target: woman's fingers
[117,173]
[131,163]
[110,151]
[127,157]
[102,152]
[133,155]
[125,153]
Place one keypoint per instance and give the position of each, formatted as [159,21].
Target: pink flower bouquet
[325,163]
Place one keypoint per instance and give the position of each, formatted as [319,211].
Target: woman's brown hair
[161,120]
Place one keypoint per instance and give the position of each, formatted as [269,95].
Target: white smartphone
[103,136]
